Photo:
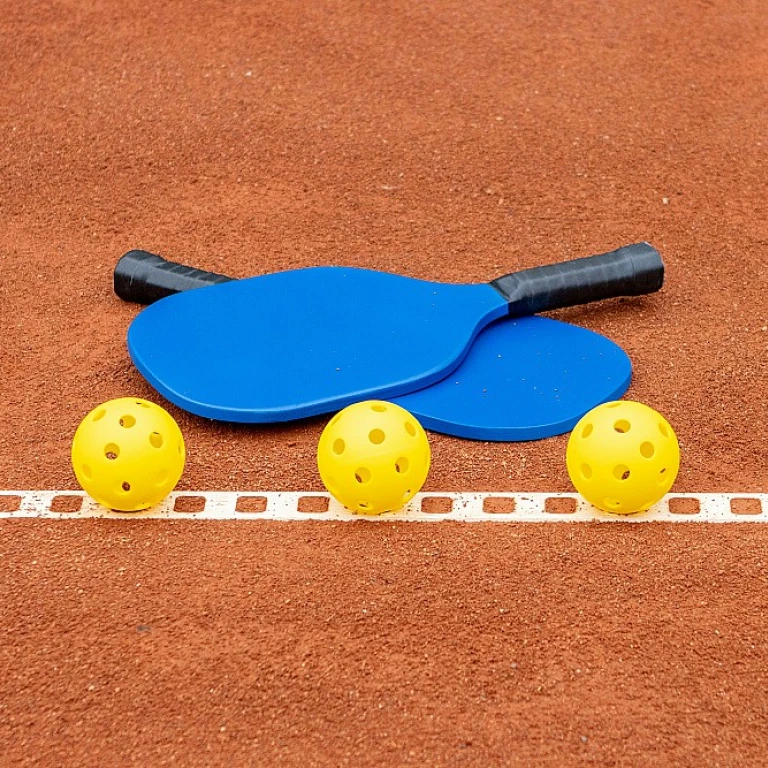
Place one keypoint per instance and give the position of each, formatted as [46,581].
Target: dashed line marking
[429,507]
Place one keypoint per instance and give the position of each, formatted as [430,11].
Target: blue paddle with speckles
[466,359]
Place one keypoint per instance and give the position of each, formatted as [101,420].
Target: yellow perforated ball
[373,457]
[623,457]
[128,454]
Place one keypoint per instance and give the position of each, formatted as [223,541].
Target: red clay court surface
[450,141]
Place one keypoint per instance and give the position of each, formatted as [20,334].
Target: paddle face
[300,343]
[523,379]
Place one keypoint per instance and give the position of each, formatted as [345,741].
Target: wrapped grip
[629,271]
[142,277]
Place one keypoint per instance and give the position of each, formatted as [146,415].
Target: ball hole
[663,429]
[612,503]
[362,475]
[338,446]
[586,471]
[100,414]
[87,471]
[112,451]
[127,421]
[621,472]
[379,408]
[156,439]
[647,450]
[126,486]
[401,465]
[363,505]
[622,426]
[161,477]
[407,496]
[143,404]
[410,429]
[376,436]
[587,431]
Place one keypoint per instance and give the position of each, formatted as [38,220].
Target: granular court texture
[450,141]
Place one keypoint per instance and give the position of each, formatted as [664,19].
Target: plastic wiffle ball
[373,457]
[623,457]
[128,454]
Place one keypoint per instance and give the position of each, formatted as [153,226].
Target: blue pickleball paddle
[300,343]
[523,379]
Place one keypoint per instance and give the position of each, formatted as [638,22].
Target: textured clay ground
[451,141]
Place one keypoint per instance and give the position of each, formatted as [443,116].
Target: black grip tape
[633,270]
[142,277]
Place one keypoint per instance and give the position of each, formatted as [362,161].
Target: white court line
[424,507]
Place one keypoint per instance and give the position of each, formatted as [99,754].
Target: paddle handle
[629,271]
[143,277]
